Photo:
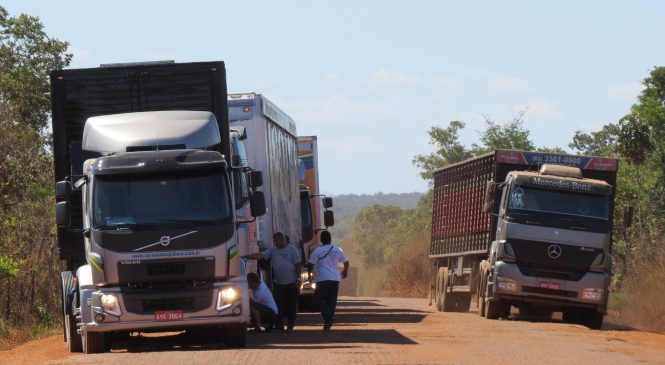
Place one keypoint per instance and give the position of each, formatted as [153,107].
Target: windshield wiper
[126,226]
[196,222]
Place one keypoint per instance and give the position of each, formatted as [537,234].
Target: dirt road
[381,331]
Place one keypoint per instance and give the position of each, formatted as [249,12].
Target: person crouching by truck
[325,261]
[262,305]
[286,268]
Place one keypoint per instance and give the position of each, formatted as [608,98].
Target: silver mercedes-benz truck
[525,229]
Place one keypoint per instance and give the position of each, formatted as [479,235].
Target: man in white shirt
[325,261]
[261,304]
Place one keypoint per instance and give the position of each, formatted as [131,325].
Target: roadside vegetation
[29,264]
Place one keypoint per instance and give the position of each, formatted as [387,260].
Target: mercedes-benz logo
[165,240]
[554,251]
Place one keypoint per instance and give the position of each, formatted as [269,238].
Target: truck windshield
[174,199]
[561,202]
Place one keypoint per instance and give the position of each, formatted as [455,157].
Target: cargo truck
[313,207]
[271,149]
[526,229]
[145,208]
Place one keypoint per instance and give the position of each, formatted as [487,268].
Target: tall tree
[448,149]
[27,56]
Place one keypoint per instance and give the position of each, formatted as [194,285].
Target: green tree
[27,56]
[510,136]
[372,228]
[448,149]
[602,143]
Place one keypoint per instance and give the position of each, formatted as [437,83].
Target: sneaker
[327,326]
[290,329]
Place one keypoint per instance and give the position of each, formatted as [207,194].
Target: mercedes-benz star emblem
[165,240]
[554,251]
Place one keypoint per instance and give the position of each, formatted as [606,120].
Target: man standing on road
[286,267]
[326,260]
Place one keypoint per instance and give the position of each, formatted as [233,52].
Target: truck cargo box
[78,94]
[459,226]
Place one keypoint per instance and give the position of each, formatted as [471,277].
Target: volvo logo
[165,240]
[554,251]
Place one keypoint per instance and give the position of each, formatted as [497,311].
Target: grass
[12,336]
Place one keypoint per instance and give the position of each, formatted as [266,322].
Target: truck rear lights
[592,294]
[506,284]
[110,304]
[226,297]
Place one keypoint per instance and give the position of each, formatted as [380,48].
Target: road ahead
[381,331]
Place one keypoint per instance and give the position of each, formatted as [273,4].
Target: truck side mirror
[627,216]
[257,204]
[255,179]
[488,202]
[63,189]
[328,218]
[63,216]
[327,202]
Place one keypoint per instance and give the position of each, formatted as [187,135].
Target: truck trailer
[314,213]
[526,229]
[145,203]
[272,149]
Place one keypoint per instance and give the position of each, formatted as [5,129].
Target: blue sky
[370,78]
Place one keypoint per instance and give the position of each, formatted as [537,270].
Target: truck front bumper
[218,311]
[510,284]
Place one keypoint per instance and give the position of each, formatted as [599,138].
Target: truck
[145,203]
[313,207]
[271,149]
[531,230]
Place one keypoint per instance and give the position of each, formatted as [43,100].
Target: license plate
[550,285]
[168,315]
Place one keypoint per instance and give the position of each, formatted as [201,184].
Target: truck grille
[176,297]
[560,275]
[574,259]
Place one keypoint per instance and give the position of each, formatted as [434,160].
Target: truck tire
[72,337]
[535,313]
[94,342]
[495,309]
[447,299]
[236,336]
[593,319]
[438,291]
[462,301]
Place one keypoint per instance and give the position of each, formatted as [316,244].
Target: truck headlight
[506,284]
[226,297]
[592,294]
[110,304]
[313,285]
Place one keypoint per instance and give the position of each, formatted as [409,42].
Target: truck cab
[159,229]
[552,250]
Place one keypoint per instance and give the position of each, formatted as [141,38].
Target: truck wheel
[593,319]
[73,338]
[94,342]
[461,301]
[438,292]
[494,309]
[530,312]
[571,315]
[481,293]
[236,336]
[446,297]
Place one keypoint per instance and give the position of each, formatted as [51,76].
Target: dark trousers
[265,314]
[326,296]
[286,298]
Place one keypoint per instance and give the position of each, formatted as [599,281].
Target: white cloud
[331,76]
[79,54]
[625,92]
[386,77]
[447,81]
[475,71]
[508,84]
[542,108]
